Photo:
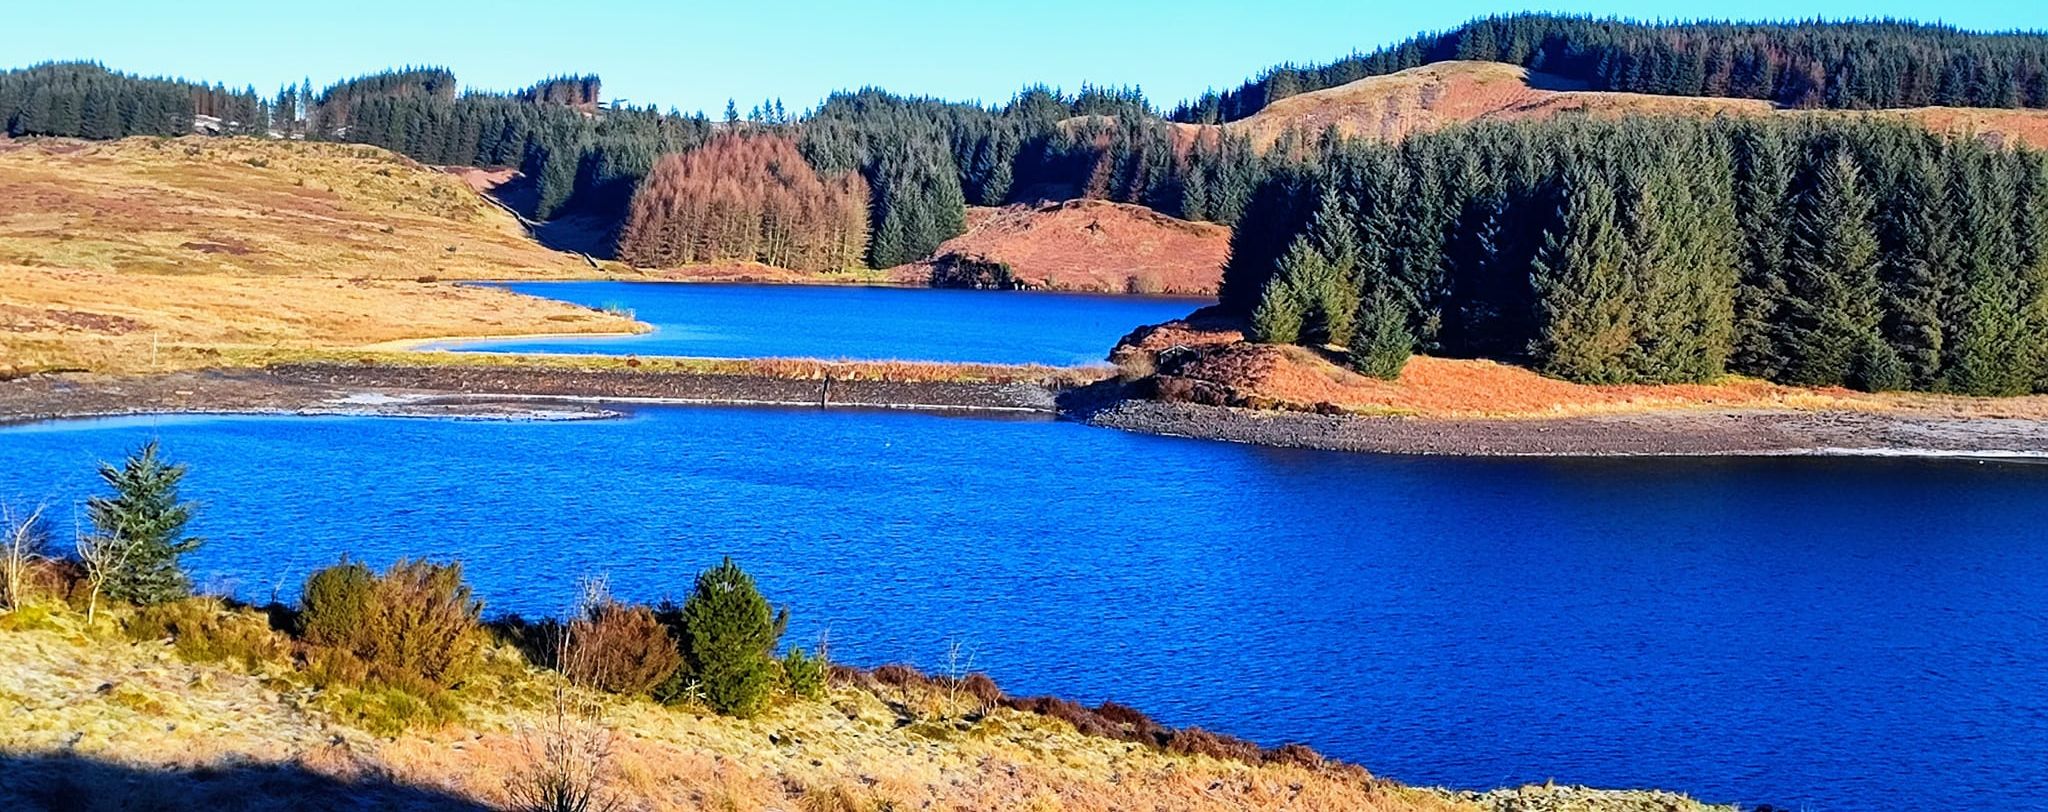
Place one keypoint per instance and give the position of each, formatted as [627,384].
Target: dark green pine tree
[1383,344]
[1281,312]
[1987,347]
[1916,256]
[1334,287]
[145,521]
[1583,309]
[1763,215]
[2031,230]
[1194,188]
[1832,300]
[731,634]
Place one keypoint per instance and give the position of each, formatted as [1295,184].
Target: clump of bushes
[414,628]
[620,648]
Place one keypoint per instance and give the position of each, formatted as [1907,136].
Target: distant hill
[1844,65]
[1434,96]
[152,252]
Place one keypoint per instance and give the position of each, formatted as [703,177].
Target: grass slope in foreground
[153,253]
[93,720]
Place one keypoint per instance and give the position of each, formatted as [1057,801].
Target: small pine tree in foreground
[731,634]
[145,520]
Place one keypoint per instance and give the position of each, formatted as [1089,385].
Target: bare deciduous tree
[569,751]
[24,540]
[569,754]
[103,556]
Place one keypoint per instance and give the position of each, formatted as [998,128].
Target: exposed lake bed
[511,391]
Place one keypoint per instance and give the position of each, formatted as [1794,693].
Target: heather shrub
[984,691]
[619,648]
[205,630]
[1299,755]
[803,675]
[1194,741]
[1084,721]
[414,627]
[1133,723]
[897,675]
[730,634]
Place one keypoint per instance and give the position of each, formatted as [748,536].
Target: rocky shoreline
[493,392]
[1690,432]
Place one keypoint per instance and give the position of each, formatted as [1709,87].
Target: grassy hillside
[155,253]
[1434,96]
[1094,245]
[95,721]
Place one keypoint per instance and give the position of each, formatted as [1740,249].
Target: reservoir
[1819,634]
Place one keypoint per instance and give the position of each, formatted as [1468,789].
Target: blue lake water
[1816,634]
[867,323]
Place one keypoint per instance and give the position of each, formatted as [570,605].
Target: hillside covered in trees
[746,198]
[1842,65]
[1655,244]
[1646,250]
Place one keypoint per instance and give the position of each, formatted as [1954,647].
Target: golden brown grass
[150,253]
[1437,95]
[86,691]
[1300,378]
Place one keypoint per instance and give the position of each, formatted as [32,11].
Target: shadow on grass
[65,783]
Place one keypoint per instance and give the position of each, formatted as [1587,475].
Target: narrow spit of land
[489,387]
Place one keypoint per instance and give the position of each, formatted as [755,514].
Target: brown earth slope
[1437,95]
[1094,245]
[151,253]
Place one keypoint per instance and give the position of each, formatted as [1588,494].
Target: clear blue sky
[695,55]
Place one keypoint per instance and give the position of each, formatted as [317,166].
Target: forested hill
[86,100]
[1842,65]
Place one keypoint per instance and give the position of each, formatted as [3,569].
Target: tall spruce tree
[1831,308]
[144,520]
[1585,327]
[1987,347]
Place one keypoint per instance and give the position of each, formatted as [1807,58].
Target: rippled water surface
[1816,634]
[869,323]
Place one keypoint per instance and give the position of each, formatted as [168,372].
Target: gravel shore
[475,392]
[1689,432]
